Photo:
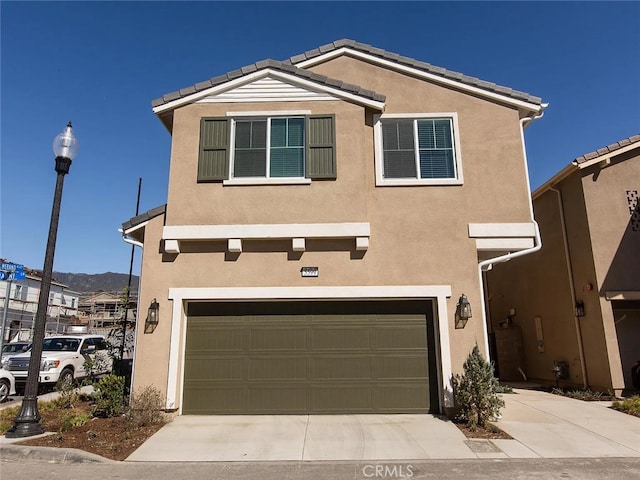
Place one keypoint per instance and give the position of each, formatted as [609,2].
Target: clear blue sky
[100,64]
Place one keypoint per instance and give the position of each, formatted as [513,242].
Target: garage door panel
[291,338]
[202,399]
[325,338]
[311,357]
[407,367]
[208,338]
[208,367]
[406,336]
[409,399]
[341,368]
[278,368]
[334,399]
[270,398]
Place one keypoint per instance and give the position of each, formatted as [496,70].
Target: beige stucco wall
[604,254]
[419,234]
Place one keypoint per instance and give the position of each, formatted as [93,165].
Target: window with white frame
[267,147]
[417,149]
[270,148]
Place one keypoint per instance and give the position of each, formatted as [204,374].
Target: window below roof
[253,150]
[417,149]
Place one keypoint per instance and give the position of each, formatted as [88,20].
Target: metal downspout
[486,265]
[572,285]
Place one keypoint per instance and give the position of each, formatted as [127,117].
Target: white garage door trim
[401,292]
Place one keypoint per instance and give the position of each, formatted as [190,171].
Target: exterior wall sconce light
[153,313]
[463,312]
[579,308]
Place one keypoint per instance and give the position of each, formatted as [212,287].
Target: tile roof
[285,67]
[410,62]
[143,217]
[608,149]
[288,66]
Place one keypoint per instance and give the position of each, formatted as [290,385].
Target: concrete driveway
[541,424]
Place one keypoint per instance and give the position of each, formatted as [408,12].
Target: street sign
[10,267]
[15,275]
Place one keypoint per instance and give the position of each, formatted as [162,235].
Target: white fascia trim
[503,244]
[269,231]
[420,74]
[408,182]
[175,378]
[128,231]
[501,230]
[341,94]
[269,113]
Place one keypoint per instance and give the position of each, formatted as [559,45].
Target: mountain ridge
[96,282]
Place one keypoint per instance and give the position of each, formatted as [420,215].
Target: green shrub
[502,388]
[108,396]
[146,408]
[67,396]
[475,392]
[72,421]
[629,405]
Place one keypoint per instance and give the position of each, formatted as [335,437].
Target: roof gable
[284,72]
[413,66]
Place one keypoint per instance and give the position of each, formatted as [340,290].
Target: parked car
[13,348]
[7,384]
[64,359]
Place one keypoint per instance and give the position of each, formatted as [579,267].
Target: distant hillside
[84,282]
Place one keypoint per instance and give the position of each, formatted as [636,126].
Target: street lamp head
[66,144]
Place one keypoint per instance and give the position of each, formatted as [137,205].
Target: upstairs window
[414,150]
[268,149]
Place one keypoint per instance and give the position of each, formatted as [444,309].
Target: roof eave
[178,102]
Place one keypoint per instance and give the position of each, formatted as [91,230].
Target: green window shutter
[213,161]
[321,147]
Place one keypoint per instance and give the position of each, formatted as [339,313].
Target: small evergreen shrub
[475,392]
[146,408]
[108,396]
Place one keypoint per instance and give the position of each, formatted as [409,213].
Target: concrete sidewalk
[541,424]
[552,426]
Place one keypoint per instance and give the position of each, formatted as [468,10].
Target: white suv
[64,359]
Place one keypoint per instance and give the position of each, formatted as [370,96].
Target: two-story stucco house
[576,302]
[325,215]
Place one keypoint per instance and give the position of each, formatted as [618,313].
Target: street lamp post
[27,422]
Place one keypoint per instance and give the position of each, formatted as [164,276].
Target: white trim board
[179,296]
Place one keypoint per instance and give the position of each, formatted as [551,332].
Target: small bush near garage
[475,392]
[145,408]
[108,396]
[629,405]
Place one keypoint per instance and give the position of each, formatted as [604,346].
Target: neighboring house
[105,309]
[23,305]
[325,214]
[577,300]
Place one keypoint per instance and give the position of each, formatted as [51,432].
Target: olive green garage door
[309,357]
